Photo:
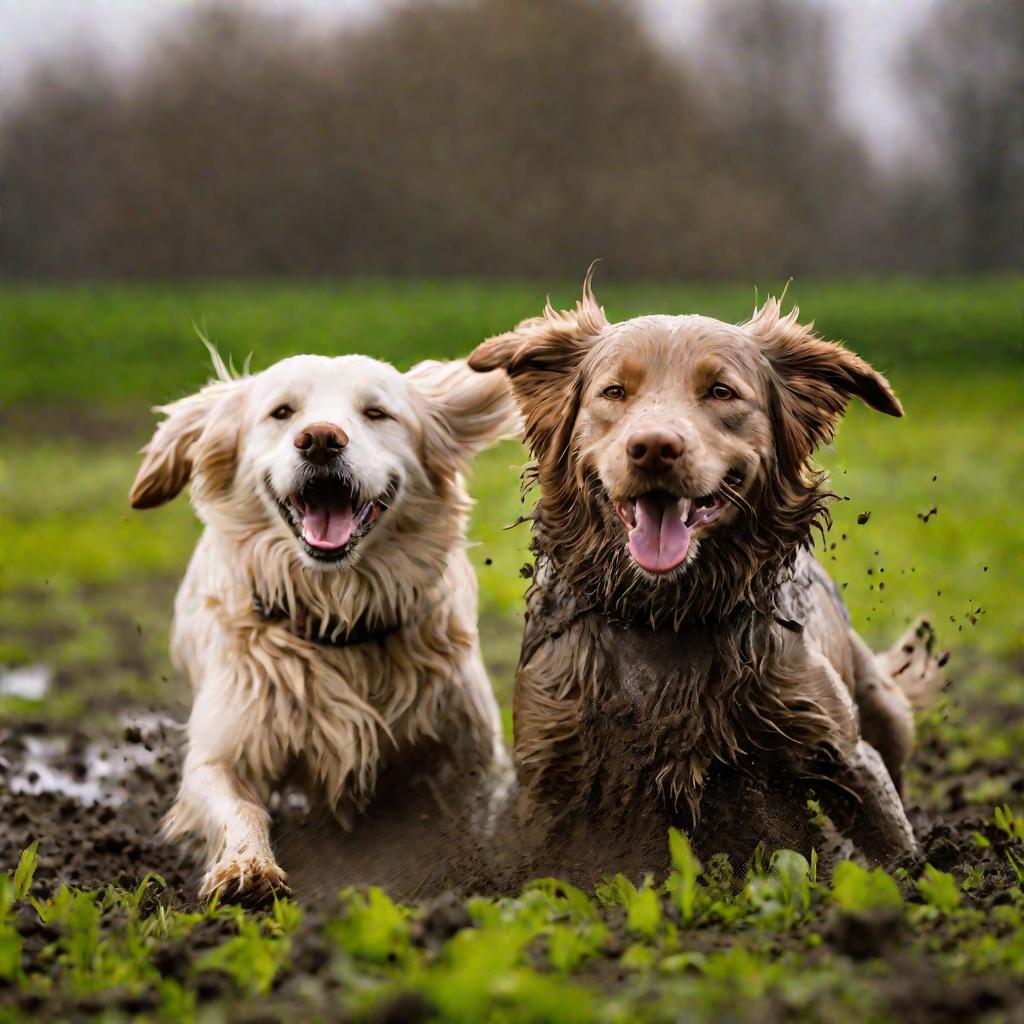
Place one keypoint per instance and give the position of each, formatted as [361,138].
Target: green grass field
[86,588]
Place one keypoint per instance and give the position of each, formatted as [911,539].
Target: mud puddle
[95,803]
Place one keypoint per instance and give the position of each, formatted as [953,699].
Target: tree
[965,72]
[768,82]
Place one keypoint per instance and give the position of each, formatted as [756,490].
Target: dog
[327,620]
[683,649]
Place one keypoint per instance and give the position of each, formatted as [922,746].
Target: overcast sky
[869,34]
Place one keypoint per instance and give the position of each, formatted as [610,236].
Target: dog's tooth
[364,514]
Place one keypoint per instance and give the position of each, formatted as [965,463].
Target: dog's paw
[249,879]
[914,665]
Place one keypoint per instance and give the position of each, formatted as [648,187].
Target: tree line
[500,137]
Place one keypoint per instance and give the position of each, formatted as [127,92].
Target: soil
[95,800]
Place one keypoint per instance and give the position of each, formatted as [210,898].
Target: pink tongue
[660,539]
[327,526]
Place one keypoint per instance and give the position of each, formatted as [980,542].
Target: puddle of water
[98,774]
[29,682]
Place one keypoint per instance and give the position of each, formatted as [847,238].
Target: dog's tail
[914,664]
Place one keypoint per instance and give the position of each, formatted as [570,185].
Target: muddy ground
[94,800]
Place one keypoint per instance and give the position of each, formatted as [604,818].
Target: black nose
[320,443]
[654,450]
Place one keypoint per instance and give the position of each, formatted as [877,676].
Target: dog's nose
[655,451]
[321,442]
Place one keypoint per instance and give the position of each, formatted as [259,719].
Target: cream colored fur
[267,699]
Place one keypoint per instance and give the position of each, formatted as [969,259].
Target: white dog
[327,621]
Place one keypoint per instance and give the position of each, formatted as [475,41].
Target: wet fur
[271,702]
[637,695]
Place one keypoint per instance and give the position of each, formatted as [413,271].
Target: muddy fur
[717,696]
[329,665]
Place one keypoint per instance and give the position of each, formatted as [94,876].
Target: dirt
[93,802]
[95,799]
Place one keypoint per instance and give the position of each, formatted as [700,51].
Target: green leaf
[939,889]
[575,900]
[10,950]
[784,893]
[373,927]
[569,947]
[856,889]
[644,915]
[683,884]
[25,871]
[678,963]
[638,957]
[1009,822]
[618,891]
[252,958]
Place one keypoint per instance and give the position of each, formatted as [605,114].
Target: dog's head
[673,451]
[337,456]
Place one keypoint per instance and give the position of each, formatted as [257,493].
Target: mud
[95,802]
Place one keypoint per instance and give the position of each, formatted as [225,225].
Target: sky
[869,33]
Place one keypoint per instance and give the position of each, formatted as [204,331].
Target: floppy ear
[198,438]
[814,381]
[540,357]
[464,413]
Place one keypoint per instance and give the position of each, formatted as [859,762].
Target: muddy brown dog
[686,660]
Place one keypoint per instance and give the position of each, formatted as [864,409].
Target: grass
[622,954]
[114,345]
[86,588]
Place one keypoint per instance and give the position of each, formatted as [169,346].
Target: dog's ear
[541,357]
[813,380]
[197,440]
[464,412]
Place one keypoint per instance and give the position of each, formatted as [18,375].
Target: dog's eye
[376,413]
[614,392]
[283,412]
[722,392]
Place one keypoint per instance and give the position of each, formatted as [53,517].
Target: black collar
[336,633]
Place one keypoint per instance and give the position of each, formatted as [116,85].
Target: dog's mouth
[329,516]
[660,526]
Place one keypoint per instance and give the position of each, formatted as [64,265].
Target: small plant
[857,890]
[642,906]
[253,957]
[1011,825]
[939,890]
[682,884]
[569,947]
[25,871]
[1009,822]
[644,914]
[782,893]
[974,877]
[372,927]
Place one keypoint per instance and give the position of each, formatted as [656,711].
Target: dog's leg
[886,719]
[237,830]
[889,685]
[880,829]
[215,802]
[485,726]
